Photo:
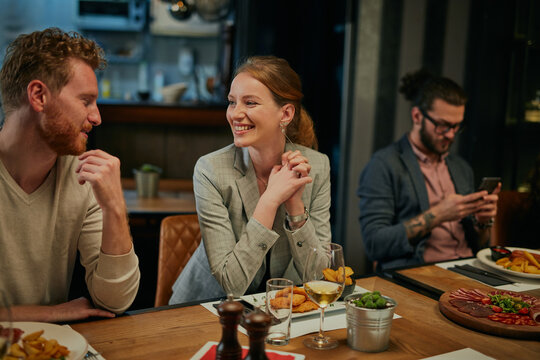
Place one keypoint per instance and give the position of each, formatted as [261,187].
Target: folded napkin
[333,320]
[466,353]
[208,352]
[486,279]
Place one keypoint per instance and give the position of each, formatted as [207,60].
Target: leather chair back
[512,207]
[180,236]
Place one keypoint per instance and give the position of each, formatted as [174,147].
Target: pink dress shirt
[447,241]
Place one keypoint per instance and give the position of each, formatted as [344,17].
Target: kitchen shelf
[156,113]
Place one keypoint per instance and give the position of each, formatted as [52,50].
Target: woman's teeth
[242,127]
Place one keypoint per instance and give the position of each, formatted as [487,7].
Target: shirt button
[299,244]
[263,246]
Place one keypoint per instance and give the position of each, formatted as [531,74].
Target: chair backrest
[180,236]
[511,208]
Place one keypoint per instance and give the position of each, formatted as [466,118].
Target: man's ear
[416,115]
[38,94]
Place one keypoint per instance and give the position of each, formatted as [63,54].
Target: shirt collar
[421,156]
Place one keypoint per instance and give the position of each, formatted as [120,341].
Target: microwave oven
[121,15]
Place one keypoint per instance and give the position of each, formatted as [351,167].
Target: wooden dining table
[438,280]
[179,332]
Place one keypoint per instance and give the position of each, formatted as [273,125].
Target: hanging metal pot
[181,10]
[212,10]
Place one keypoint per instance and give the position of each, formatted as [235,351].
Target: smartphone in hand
[489,184]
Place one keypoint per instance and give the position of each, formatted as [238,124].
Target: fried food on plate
[35,347]
[283,302]
[520,261]
[306,306]
[337,275]
[300,302]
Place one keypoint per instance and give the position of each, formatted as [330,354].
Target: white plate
[484,256]
[260,300]
[75,342]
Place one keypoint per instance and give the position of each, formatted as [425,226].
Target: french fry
[340,273]
[348,271]
[50,346]
[330,275]
[531,269]
[17,351]
[9,357]
[35,347]
[29,349]
[337,275]
[33,336]
[531,259]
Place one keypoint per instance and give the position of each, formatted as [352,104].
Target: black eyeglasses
[442,129]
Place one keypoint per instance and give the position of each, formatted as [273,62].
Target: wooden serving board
[486,325]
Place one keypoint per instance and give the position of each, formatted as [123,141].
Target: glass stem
[321,333]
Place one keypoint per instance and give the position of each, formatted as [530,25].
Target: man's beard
[61,134]
[430,143]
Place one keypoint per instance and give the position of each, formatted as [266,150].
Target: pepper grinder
[230,312]
[257,324]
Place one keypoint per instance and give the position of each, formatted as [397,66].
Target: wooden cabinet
[171,137]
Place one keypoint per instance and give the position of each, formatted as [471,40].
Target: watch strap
[298,218]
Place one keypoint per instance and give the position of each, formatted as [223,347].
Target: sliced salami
[470,302]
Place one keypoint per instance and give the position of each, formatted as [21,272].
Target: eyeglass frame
[458,128]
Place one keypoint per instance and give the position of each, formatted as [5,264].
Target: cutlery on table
[482,275]
[90,355]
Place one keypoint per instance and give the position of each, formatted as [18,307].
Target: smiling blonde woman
[263,201]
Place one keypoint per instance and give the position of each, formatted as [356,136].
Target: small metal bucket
[368,329]
[146,183]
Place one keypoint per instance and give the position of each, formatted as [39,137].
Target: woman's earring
[283,127]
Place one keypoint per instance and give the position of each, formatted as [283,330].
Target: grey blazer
[235,244]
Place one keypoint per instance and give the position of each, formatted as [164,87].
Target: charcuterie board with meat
[498,312]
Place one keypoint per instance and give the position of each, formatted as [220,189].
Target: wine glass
[324,290]
[6,327]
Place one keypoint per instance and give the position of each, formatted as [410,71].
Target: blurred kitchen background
[350,55]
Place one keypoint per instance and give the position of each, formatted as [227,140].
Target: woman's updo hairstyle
[285,85]
[421,88]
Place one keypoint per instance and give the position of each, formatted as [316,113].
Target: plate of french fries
[522,262]
[44,341]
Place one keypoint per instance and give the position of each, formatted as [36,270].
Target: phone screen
[489,184]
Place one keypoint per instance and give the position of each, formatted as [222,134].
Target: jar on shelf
[532,109]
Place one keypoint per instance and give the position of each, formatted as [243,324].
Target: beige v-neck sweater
[40,234]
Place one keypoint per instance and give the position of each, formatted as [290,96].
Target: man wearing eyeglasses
[417,201]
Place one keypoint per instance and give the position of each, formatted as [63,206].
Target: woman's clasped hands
[287,181]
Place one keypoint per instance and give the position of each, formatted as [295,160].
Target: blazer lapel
[411,162]
[247,184]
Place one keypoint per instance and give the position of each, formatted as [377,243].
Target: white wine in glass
[324,290]
[6,328]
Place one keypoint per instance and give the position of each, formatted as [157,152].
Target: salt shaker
[257,324]
[230,312]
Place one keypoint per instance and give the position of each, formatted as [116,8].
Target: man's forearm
[116,234]
[419,226]
[32,313]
